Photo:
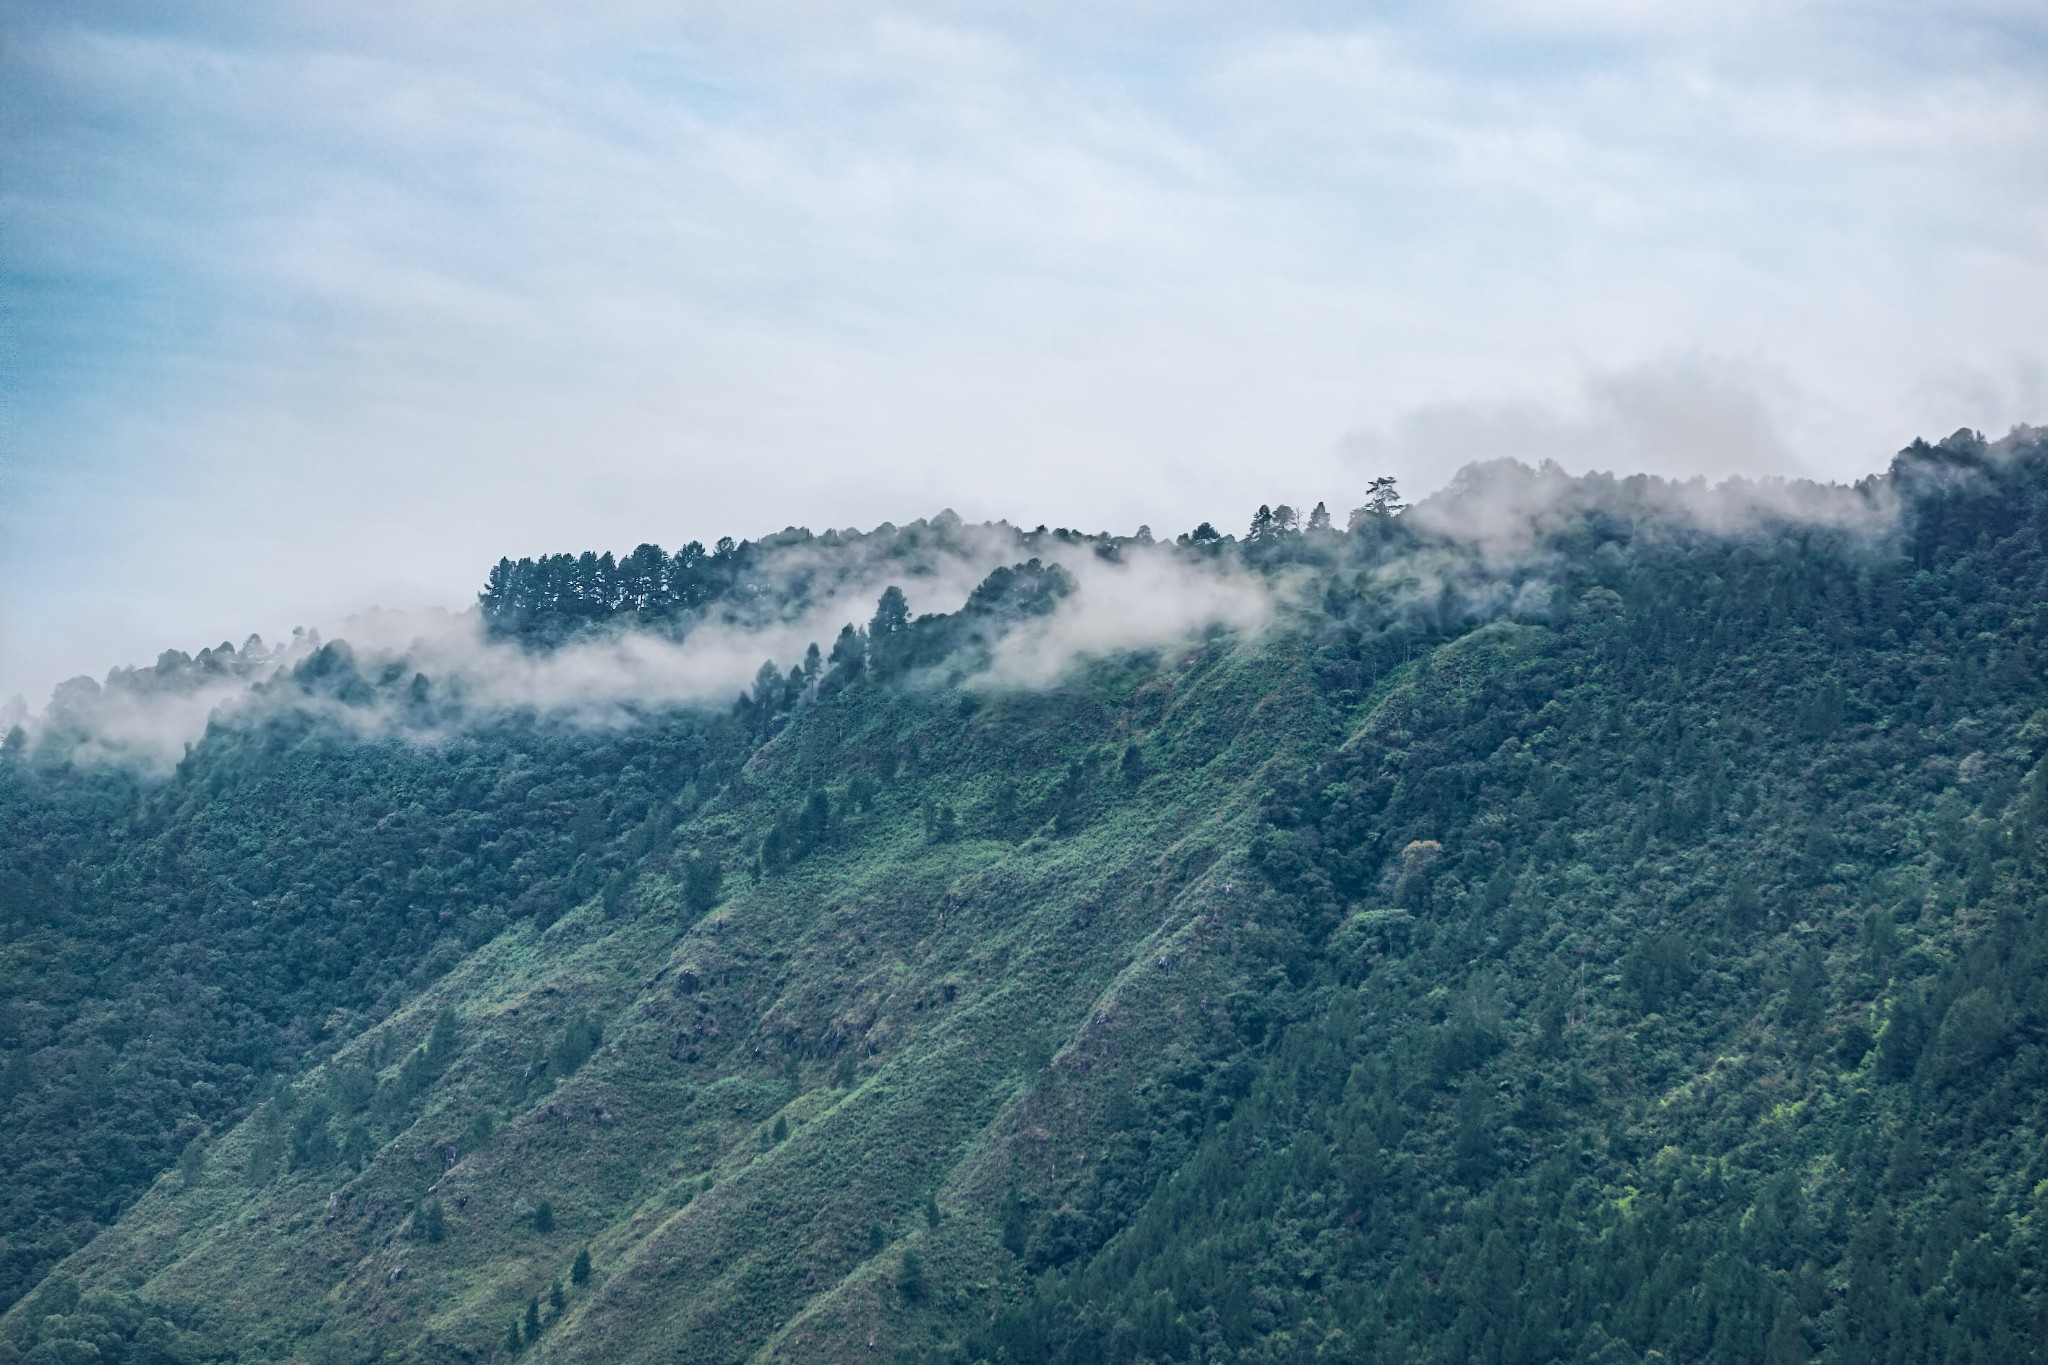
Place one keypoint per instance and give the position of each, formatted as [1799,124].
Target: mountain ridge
[1299,993]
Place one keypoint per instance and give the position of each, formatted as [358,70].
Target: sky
[306,309]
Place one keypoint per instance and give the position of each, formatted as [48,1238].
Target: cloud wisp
[425,674]
[1149,598]
[1495,541]
[1490,545]
[1000,608]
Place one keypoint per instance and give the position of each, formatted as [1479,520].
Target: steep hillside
[1585,921]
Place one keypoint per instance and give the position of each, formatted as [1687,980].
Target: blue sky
[308,308]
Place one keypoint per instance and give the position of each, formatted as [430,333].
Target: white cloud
[1149,599]
[1681,416]
[334,305]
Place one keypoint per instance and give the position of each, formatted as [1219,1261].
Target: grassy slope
[996,994]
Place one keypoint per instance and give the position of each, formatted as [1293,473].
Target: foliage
[1654,972]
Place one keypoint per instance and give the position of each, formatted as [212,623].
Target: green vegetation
[1621,941]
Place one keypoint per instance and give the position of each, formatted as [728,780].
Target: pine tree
[892,614]
[579,1273]
[1382,503]
[849,651]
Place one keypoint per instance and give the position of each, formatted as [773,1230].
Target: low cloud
[1505,511]
[1680,416]
[146,718]
[1149,598]
[426,674]
[1494,542]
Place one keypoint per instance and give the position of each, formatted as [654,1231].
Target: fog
[1486,546]
[796,595]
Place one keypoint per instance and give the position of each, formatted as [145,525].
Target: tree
[1003,807]
[579,1273]
[816,821]
[583,1036]
[780,1133]
[888,629]
[766,695]
[910,1281]
[533,1319]
[701,879]
[544,1216]
[849,651]
[1066,815]
[1014,1226]
[892,614]
[441,1042]
[1382,504]
[1787,1344]
[1319,520]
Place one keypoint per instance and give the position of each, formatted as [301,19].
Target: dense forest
[1573,920]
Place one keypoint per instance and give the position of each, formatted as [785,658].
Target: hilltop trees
[1382,504]
[549,597]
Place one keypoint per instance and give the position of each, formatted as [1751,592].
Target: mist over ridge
[621,639]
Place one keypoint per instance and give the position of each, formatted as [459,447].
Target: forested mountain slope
[1582,920]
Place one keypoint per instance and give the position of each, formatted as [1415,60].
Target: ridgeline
[1617,938]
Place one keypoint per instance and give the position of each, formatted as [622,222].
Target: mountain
[1571,919]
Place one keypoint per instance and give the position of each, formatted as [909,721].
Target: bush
[910,1281]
